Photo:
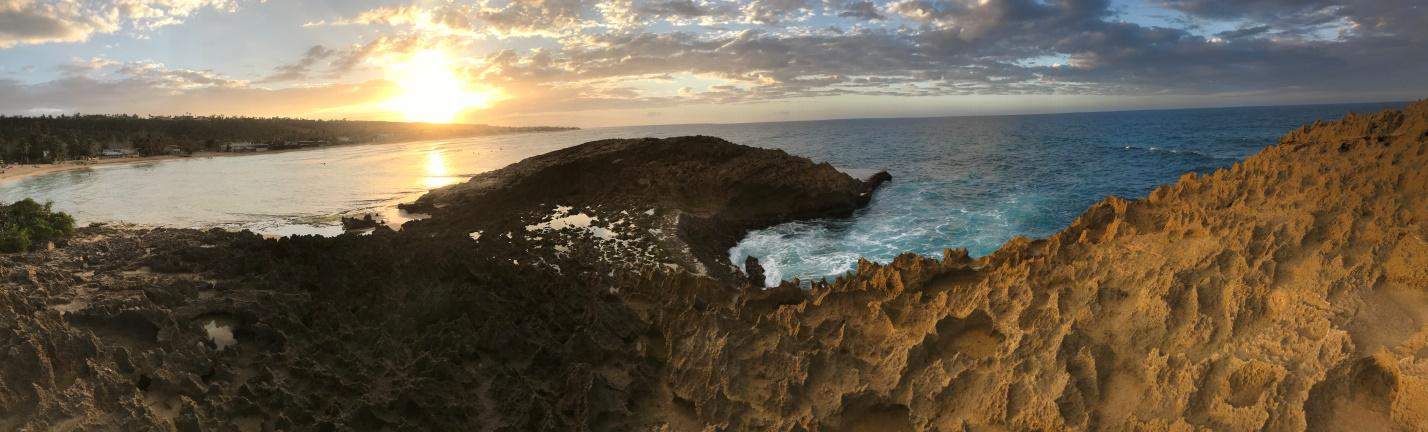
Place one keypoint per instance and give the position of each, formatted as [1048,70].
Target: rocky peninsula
[588,289]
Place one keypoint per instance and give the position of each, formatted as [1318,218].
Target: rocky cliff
[1288,292]
[1285,293]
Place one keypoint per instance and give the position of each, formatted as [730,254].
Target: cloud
[32,22]
[1396,18]
[1259,9]
[515,18]
[300,69]
[148,87]
[535,17]
[50,21]
[687,9]
[863,10]
[1243,32]
[977,47]
[775,11]
[84,67]
[563,55]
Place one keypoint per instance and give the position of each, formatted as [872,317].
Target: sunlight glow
[436,172]
[430,91]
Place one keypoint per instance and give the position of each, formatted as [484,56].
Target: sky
[625,62]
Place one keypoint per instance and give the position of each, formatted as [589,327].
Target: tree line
[57,138]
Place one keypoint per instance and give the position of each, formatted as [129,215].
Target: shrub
[26,224]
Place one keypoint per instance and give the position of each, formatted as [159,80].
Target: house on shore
[289,145]
[245,147]
[116,153]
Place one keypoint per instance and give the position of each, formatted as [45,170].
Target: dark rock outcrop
[705,191]
[754,271]
[367,221]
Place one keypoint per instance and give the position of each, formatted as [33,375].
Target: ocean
[971,182]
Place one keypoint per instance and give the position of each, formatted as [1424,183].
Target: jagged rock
[754,270]
[708,192]
[367,221]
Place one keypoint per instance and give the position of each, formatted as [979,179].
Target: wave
[909,217]
[1183,152]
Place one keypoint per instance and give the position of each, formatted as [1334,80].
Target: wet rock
[367,221]
[754,270]
[877,180]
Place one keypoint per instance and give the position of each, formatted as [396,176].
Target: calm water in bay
[969,182]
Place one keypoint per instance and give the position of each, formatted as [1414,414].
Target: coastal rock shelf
[682,202]
[1284,293]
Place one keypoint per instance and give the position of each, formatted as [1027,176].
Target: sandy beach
[20,171]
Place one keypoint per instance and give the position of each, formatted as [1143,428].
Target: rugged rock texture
[1285,293]
[704,193]
[1288,292]
[128,329]
[492,315]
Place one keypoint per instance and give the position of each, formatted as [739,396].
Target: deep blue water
[975,182]
[970,182]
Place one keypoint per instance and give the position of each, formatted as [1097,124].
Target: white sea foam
[898,220]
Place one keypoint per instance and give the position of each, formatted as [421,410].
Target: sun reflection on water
[437,173]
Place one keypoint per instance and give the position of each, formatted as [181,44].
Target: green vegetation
[48,139]
[27,224]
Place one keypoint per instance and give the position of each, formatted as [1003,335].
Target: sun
[429,90]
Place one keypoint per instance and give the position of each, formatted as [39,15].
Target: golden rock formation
[1288,292]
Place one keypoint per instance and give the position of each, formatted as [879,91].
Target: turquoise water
[976,182]
[970,182]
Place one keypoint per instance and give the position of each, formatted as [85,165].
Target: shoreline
[22,171]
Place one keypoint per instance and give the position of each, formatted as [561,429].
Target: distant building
[244,147]
[116,153]
[288,145]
